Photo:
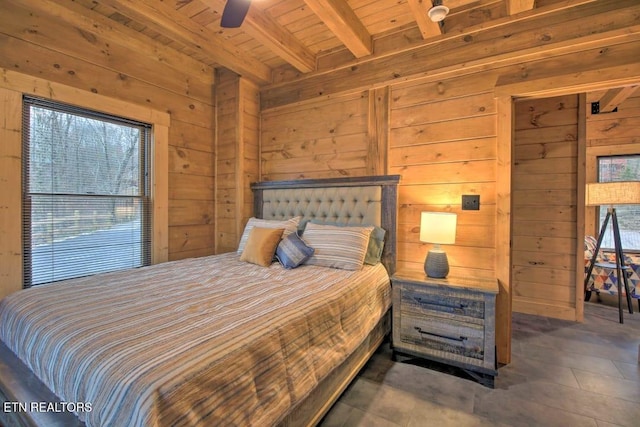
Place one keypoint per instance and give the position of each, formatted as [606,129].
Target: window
[85,192]
[621,168]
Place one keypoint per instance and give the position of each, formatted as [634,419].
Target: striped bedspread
[204,341]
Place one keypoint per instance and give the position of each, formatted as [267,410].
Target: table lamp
[438,228]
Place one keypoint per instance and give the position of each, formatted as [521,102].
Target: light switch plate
[470,202]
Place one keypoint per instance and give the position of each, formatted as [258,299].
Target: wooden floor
[562,374]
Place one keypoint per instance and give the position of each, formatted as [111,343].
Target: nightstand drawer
[432,301]
[447,320]
[430,335]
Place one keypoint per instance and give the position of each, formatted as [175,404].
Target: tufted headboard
[367,200]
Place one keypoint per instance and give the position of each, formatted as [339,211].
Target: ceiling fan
[234,13]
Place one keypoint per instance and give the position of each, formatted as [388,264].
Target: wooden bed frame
[19,384]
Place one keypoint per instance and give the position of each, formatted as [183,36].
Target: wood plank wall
[237,101]
[610,134]
[65,45]
[545,208]
[323,139]
[331,138]
[438,166]
[11,196]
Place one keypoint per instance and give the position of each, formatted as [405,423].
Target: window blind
[86,192]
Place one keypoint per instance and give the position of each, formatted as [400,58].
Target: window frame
[12,88]
[599,209]
[142,247]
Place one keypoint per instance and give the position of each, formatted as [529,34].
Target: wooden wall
[443,143]
[610,134]
[322,139]
[237,101]
[331,138]
[545,211]
[88,53]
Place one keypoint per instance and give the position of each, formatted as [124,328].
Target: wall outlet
[470,202]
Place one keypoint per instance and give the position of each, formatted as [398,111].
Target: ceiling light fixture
[438,12]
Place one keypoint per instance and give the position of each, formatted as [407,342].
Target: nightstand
[450,320]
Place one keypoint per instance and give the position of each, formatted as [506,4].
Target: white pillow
[336,246]
[290,226]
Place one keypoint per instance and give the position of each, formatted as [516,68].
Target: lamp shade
[438,227]
[612,193]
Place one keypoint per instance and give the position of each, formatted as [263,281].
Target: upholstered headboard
[370,200]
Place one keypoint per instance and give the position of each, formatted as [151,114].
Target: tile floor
[562,374]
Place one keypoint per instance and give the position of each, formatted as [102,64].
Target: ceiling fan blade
[234,13]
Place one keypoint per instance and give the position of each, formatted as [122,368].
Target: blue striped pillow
[293,251]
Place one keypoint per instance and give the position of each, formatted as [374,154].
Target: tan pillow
[261,245]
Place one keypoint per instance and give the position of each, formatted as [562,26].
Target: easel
[620,267]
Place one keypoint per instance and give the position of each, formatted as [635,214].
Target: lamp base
[436,264]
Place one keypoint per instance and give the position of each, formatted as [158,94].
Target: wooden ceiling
[282,39]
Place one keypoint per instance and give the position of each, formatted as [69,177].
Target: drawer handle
[439,304]
[419,329]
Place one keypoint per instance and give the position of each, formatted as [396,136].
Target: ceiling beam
[344,24]
[517,6]
[263,28]
[599,24]
[167,21]
[566,84]
[427,27]
[259,25]
[614,97]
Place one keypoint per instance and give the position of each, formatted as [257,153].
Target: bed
[213,340]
